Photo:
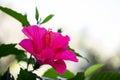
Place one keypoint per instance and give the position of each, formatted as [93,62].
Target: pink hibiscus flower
[48,47]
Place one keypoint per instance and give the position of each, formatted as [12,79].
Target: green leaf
[47,18]
[93,69]
[26,75]
[7,76]
[79,76]
[51,73]
[36,14]
[21,57]
[59,30]
[7,49]
[77,54]
[106,76]
[36,66]
[21,18]
[32,60]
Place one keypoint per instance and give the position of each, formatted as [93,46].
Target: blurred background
[93,25]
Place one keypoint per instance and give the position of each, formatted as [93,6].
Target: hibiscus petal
[27,45]
[33,31]
[36,34]
[59,66]
[67,55]
[46,54]
[60,42]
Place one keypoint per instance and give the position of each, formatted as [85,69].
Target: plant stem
[29,62]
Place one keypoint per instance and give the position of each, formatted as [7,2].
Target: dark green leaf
[21,18]
[51,73]
[21,57]
[106,76]
[32,60]
[59,30]
[36,66]
[7,49]
[36,14]
[77,54]
[79,76]
[47,18]
[26,75]
[7,76]
[93,69]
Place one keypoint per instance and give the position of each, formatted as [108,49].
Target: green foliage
[49,17]
[21,57]
[7,76]
[93,69]
[51,73]
[36,66]
[99,76]
[77,54]
[106,76]
[31,60]
[27,75]
[18,16]
[7,49]
[36,14]
[79,76]
[59,30]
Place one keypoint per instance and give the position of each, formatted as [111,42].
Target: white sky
[101,18]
